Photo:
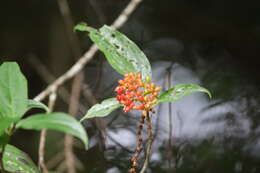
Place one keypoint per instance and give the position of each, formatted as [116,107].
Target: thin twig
[149,143]
[48,77]
[99,123]
[170,154]
[55,160]
[76,84]
[66,16]
[101,20]
[73,108]
[123,17]
[77,67]
[41,163]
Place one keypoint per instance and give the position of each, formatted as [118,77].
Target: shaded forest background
[223,34]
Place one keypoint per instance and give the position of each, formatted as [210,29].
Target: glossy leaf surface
[179,91]
[103,109]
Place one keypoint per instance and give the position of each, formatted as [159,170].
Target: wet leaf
[103,109]
[179,91]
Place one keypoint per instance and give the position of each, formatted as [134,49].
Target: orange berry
[147,105]
[157,89]
[155,94]
[154,101]
[120,81]
[141,98]
[136,94]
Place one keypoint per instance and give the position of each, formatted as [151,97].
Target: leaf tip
[209,94]
[82,26]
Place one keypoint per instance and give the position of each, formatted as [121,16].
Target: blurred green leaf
[55,121]
[122,53]
[179,91]
[16,160]
[13,91]
[4,139]
[36,104]
[5,122]
[83,27]
[103,109]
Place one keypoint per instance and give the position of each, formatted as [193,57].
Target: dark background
[223,34]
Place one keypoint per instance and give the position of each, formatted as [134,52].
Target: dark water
[211,43]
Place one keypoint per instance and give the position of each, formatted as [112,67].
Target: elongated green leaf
[13,90]
[122,53]
[36,104]
[103,109]
[16,160]
[55,121]
[179,91]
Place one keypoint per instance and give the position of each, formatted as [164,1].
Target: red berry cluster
[136,94]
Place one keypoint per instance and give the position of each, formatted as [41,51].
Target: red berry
[141,98]
[126,109]
[118,98]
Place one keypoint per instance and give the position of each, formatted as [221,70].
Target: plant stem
[149,144]
[138,148]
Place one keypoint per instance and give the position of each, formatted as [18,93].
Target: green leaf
[36,104]
[5,122]
[83,27]
[13,91]
[16,160]
[100,110]
[122,53]
[4,139]
[179,91]
[55,121]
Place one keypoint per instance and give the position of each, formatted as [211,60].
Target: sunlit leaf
[179,91]
[16,160]
[122,53]
[102,109]
[36,104]
[13,90]
[55,121]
